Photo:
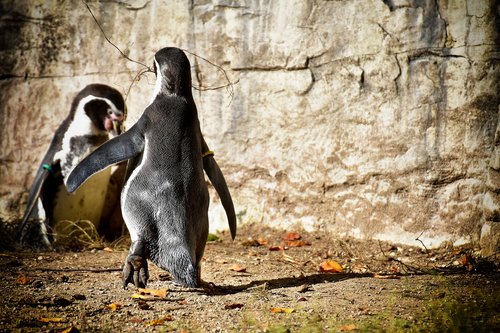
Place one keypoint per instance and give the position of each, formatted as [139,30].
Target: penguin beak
[117,128]
[116,117]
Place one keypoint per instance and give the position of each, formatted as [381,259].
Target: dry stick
[148,69]
[408,268]
[91,270]
[109,41]
[230,84]
[418,239]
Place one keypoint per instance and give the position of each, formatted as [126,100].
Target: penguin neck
[162,89]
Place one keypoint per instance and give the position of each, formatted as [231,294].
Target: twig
[380,246]
[229,85]
[418,239]
[91,270]
[109,41]
[136,78]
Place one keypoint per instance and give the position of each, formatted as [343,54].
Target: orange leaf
[108,249]
[161,321]
[282,310]
[330,266]
[276,248]
[349,327]
[291,236]
[113,306]
[262,241]
[23,280]
[154,292]
[251,242]
[378,276]
[296,243]
[52,320]
[238,268]
[467,261]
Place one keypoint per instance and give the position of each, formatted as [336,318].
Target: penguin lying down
[165,198]
[97,111]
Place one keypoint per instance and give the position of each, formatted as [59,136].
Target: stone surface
[377,119]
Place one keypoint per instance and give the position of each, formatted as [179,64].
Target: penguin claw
[135,271]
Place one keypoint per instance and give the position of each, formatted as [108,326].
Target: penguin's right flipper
[118,149]
[219,182]
[34,194]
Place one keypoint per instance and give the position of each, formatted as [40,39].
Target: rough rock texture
[376,119]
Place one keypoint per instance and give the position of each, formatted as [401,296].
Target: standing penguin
[165,198]
[97,111]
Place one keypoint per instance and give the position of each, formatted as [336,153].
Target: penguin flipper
[219,182]
[118,149]
[34,194]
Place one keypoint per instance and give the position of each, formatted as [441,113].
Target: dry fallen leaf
[233,306]
[143,305]
[113,306]
[262,241]
[467,261]
[23,280]
[292,236]
[282,310]
[277,248]
[108,249]
[288,258]
[359,268]
[143,297]
[330,266]
[395,269]
[297,243]
[135,320]
[255,242]
[378,276]
[71,329]
[161,321]
[154,292]
[52,320]
[349,327]
[238,268]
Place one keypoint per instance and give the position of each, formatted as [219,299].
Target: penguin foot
[135,269]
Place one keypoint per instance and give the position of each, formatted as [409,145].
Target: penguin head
[173,72]
[103,105]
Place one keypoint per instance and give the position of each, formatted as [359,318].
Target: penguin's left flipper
[35,190]
[118,149]
[135,269]
[219,182]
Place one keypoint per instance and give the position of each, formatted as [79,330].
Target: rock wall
[375,119]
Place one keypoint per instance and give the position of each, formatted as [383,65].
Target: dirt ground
[265,281]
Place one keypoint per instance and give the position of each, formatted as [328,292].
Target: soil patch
[266,281]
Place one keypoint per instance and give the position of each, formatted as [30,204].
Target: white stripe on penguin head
[159,80]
